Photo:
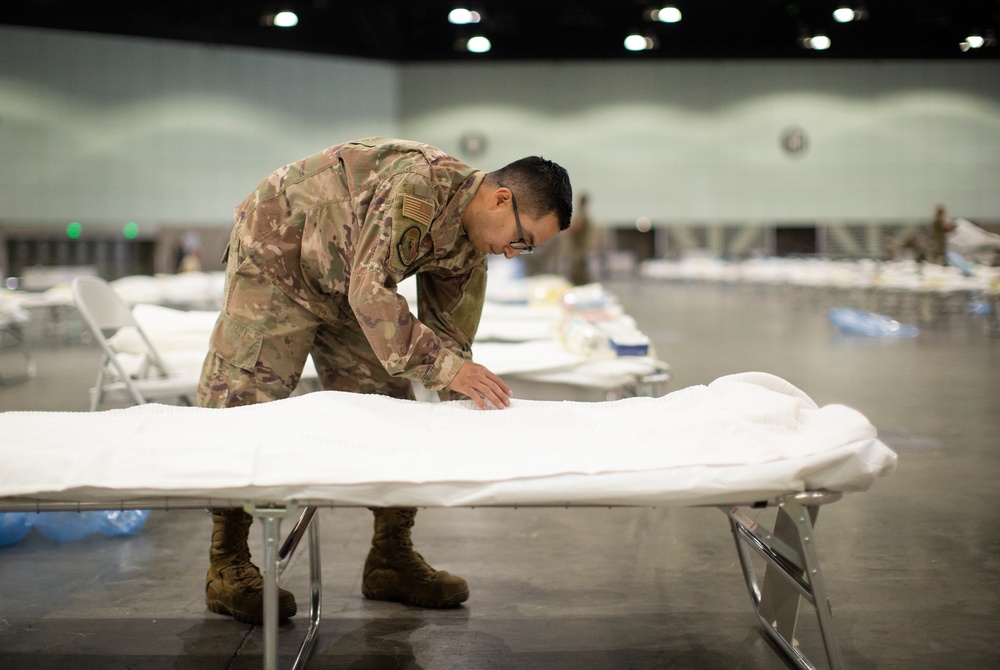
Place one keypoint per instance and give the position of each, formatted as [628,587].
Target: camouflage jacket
[337,231]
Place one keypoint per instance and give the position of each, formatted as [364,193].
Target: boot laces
[411,559]
[243,574]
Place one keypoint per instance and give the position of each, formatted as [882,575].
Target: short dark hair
[540,185]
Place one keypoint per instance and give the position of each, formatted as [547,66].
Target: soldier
[313,262]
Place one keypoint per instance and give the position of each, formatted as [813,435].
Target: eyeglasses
[519,245]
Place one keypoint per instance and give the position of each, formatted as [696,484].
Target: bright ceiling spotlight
[461,16]
[668,14]
[286,19]
[975,40]
[478,44]
[843,14]
[819,42]
[639,43]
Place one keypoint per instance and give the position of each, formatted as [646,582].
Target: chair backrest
[100,306]
[105,313]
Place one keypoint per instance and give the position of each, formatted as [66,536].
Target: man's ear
[500,196]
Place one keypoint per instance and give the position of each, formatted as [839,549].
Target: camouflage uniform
[313,262]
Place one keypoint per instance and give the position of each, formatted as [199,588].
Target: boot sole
[389,596]
[219,607]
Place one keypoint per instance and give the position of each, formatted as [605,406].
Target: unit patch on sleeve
[408,245]
[417,209]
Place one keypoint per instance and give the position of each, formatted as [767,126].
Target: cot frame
[792,571]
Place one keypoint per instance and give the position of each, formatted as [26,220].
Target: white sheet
[742,438]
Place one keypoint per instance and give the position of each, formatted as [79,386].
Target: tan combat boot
[234,585]
[394,571]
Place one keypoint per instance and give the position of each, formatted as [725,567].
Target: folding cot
[748,440]
[525,350]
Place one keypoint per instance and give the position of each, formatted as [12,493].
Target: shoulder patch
[408,245]
[419,210]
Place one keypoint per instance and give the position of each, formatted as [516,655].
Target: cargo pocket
[236,343]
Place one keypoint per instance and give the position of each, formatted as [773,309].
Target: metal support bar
[291,543]
[787,567]
[275,561]
[792,573]
[315,595]
[270,518]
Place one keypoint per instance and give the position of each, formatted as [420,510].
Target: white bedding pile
[741,438]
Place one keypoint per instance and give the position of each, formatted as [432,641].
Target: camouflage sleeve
[451,306]
[393,235]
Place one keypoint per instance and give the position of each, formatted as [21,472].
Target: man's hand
[481,385]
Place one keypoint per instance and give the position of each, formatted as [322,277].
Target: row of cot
[153,352]
[929,291]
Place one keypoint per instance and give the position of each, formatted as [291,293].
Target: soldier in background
[313,262]
[579,242]
[941,225]
[928,244]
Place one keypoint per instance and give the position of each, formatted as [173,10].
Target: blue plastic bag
[869,324]
[68,526]
[124,522]
[979,307]
[14,526]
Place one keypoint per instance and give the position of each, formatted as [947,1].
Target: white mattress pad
[739,439]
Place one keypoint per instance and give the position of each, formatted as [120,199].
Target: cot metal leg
[310,520]
[287,554]
[792,573]
[271,522]
[274,564]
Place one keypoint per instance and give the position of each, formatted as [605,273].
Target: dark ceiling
[418,31]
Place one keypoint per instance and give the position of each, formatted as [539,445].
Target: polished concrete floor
[911,566]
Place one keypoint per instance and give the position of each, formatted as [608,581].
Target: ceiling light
[819,42]
[286,19]
[843,14]
[637,42]
[977,41]
[846,13]
[461,16]
[478,44]
[668,14]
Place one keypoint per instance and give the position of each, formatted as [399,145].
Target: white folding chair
[136,379]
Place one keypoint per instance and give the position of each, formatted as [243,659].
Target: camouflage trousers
[261,341]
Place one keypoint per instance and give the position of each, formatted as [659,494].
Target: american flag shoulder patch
[417,209]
